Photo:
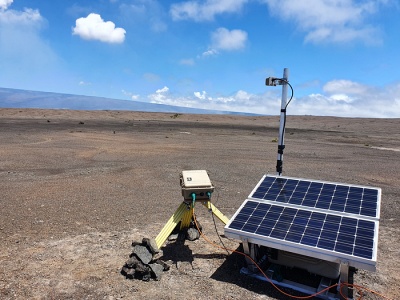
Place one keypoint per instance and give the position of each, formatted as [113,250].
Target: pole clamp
[281,148]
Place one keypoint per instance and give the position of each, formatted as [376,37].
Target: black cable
[291,88]
[215,225]
[281,147]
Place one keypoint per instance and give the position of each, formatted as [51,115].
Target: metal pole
[281,138]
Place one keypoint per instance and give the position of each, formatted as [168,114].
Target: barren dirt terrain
[77,187]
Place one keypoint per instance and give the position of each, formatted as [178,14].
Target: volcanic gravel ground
[77,187]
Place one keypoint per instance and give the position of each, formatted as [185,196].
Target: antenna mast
[284,81]
[282,122]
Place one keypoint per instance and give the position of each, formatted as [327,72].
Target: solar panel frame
[324,233]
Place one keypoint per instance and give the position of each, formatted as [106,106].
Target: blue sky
[343,55]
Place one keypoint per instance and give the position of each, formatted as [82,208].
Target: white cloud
[330,20]
[131,95]
[4,4]
[200,95]
[241,101]
[149,12]
[342,98]
[187,62]
[164,90]
[151,77]
[25,57]
[350,99]
[205,11]
[93,27]
[224,39]
[372,102]
[28,17]
[84,83]
[345,87]
[161,96]
[209,52]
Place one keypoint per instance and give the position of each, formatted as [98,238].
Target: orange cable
[274,285]
[360,288]
[258,267]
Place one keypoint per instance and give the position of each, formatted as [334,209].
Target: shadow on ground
[229,272]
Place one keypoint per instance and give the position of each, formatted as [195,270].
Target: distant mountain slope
[14,98]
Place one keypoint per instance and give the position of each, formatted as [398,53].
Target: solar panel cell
[331,227]
[309,240]
[248,227]
[326,244]
[362,252]
[242,217]
[344,248]
[328,235]
[264,231]
[366,224]
[278,234]
[352,209]
[294,237]
[316,224]
[236,225]
[366,243]
[346,239]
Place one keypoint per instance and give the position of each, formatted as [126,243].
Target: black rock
[146,277]
[156,270]
[134,243]
[192,234]
[164,264]
[142,268]
[151,245]
[132,262]
[143,254]
[128,272]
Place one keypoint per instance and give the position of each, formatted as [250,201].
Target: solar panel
[344,198]
[330,221]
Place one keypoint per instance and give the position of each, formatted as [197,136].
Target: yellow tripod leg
[171,224]
[216,212]
[187,218]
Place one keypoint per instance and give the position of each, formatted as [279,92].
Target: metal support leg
[216,212]
[248,248]
[187,218]
[171,224]
[343,281]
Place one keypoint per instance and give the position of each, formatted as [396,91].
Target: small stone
[173,237]
[163,264]
[142,268]
[146,277]
[151,245]
[142,253]
[156,270]
[132,262]
[128,272]
[134,243]
[192,234]
[158,255]
[193,225]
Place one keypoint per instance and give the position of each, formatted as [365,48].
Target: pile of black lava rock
[144,262]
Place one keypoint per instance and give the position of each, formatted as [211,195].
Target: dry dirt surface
[77,187]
